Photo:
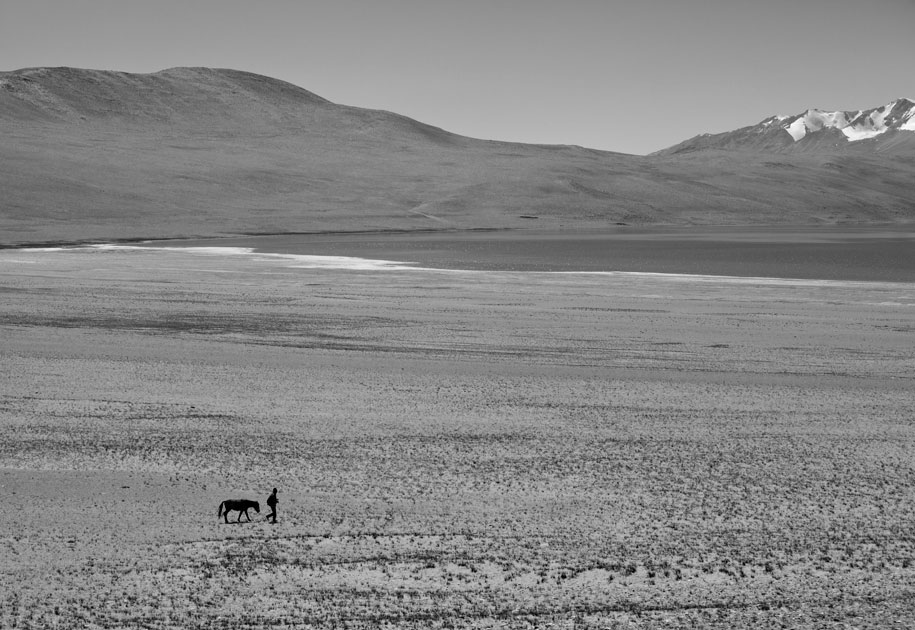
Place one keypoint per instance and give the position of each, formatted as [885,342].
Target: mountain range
[889,130]
[90,155]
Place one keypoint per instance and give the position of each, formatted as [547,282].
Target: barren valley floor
[452,448]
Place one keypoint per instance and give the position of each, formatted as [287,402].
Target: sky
[633,76]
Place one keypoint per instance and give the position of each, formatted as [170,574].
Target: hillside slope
[98,155]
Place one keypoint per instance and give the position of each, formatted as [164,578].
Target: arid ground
[466,449]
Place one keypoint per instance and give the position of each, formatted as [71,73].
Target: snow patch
[817,120]
[797,129]
[856,126]
[909,118]
[869,126]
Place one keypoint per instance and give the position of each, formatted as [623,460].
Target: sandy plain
[452,449]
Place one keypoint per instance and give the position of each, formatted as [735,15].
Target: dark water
[834,253]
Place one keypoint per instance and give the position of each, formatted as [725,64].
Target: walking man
[271,503]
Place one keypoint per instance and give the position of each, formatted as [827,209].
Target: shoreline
[353,263]
[620,229]
[859,253]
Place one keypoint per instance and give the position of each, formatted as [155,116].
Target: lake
[828,253]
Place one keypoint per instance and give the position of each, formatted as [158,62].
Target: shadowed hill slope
[96,155]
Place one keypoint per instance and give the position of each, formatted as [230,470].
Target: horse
[242,505]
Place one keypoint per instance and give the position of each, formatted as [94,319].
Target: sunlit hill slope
[97,155]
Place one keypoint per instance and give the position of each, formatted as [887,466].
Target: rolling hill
[90,155]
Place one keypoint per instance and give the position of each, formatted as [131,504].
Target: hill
[98,155]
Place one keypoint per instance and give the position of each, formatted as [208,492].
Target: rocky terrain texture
[452,449]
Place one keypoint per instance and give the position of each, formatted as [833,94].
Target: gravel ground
[452,449]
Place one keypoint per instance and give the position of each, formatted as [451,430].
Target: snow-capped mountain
[890,127]
[861,125]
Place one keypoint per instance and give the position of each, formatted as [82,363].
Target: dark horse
[242,505]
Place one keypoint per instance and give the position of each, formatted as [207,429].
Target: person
[271,503]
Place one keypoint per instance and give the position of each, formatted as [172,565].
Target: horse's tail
[219,513]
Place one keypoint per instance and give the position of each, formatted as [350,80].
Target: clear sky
[632,76]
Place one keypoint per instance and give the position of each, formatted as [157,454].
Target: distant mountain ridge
[890,127]
[90,155]
[898,115]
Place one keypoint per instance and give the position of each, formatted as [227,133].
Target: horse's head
[257,507]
